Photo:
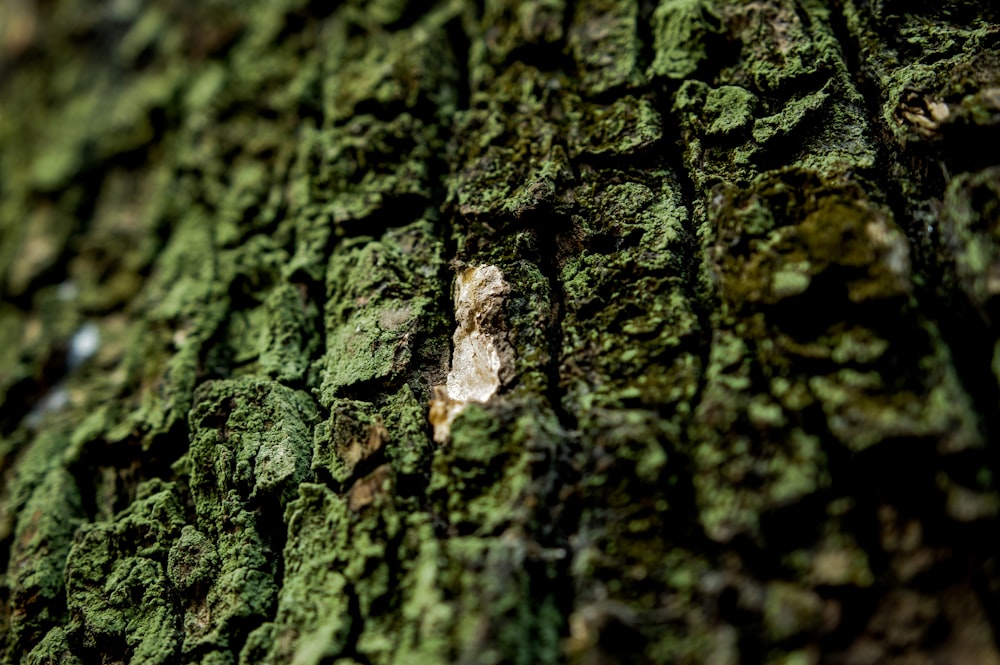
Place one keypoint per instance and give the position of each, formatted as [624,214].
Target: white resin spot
[475,362]
[83,345]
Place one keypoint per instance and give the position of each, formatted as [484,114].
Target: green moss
[790,610]
[41,544]
[241,475]
[314,614]
[368,165]
[193,560]
[497,471]
[799,657]
[39,457]
[786,99]
[971,213]
[515,149]
[792,115]
[222,299]
[681,32]
[731,107]
[411,448]
[53,648]
[116,579]
[381,296]
[625,127]
[837,231]
[12,325]
[184,279]
[503,607]
[605,43]
[33,248]
[169,394]
[405,69]
[633,491]
[782,46]
[352,435]
[289,340]
[786,466]
[865,403]
[527,312]
[837,561]
[862,413]
[628,316]
[480,476]
[915,60]
[514,24]
[427,616]
[268,440]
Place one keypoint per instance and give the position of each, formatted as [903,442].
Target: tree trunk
[605,331]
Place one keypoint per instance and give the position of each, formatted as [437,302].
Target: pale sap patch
[476,361]
[83,345]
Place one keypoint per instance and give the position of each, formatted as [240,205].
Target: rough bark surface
[607,331]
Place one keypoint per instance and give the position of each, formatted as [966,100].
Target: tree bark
[608,331]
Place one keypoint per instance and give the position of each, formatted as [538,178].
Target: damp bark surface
[516,331]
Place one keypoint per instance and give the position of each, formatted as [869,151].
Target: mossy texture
[738,317]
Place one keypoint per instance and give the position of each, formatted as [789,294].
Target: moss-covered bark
[719,277]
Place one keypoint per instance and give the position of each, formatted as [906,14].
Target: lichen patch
[476,360]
